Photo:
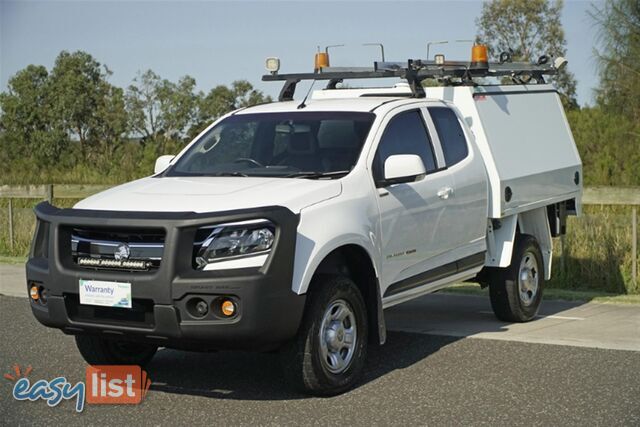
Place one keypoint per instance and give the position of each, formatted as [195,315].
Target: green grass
[553,294]
[24,223]
[12,259]
[597,252]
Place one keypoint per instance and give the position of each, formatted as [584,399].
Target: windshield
[291,144]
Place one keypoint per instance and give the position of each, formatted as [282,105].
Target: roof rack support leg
[288,90]
[415,83]
[333,83]
[416,88]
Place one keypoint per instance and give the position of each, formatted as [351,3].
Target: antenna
[302,104]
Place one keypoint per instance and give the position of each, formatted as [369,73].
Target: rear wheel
[516,291]
[329,352]
[100,351]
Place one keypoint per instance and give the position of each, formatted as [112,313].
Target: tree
[71,122]
[110,128]
[528,29]
[45,114]
[178,106]
[619,57]
[223,99]
[608,149]
[84,104]
[143,105]
[160,110]
[28,130]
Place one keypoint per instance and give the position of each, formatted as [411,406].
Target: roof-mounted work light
[272,64]
[559,63]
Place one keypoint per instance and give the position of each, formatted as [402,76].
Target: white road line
[545,317]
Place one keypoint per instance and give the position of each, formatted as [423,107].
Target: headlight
[236,245]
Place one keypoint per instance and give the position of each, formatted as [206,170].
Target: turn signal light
[228,308]
[479,56]
[34,292]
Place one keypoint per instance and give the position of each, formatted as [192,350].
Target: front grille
[130,250]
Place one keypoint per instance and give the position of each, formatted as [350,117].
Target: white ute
[292,225]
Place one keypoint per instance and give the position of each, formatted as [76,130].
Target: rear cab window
[452,138]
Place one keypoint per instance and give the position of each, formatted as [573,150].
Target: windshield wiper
[230,174]
[316,175]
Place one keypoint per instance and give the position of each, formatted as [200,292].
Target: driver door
[412,214]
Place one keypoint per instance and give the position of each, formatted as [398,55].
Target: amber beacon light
[479,57]
[321,61]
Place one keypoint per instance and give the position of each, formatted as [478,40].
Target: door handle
[445,192]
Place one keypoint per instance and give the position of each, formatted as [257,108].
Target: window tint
[405,134]
[454,144]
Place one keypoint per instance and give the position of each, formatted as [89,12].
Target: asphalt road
[416,378]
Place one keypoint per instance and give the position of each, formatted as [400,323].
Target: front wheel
[328,354]
[516,291]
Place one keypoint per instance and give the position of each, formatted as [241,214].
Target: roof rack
[416,70]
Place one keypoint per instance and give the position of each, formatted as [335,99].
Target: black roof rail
[417,70]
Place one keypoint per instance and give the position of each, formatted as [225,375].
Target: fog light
[44,296]
[228,308]
[33,292]
[202,308]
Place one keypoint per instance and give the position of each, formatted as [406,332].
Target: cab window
[452,139]
[405,134]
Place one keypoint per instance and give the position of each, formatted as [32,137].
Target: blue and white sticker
[106,294]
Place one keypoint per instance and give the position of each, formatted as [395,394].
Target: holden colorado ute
[292,225]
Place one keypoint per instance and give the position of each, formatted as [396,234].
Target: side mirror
[401,168]
[162,163]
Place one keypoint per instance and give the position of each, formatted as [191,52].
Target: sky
[218,42]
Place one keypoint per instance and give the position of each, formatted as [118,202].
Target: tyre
[516,291]
[100,351]
[328,354]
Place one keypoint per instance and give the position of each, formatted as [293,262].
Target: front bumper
[269,312]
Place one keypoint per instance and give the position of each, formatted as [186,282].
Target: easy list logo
[110,385]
